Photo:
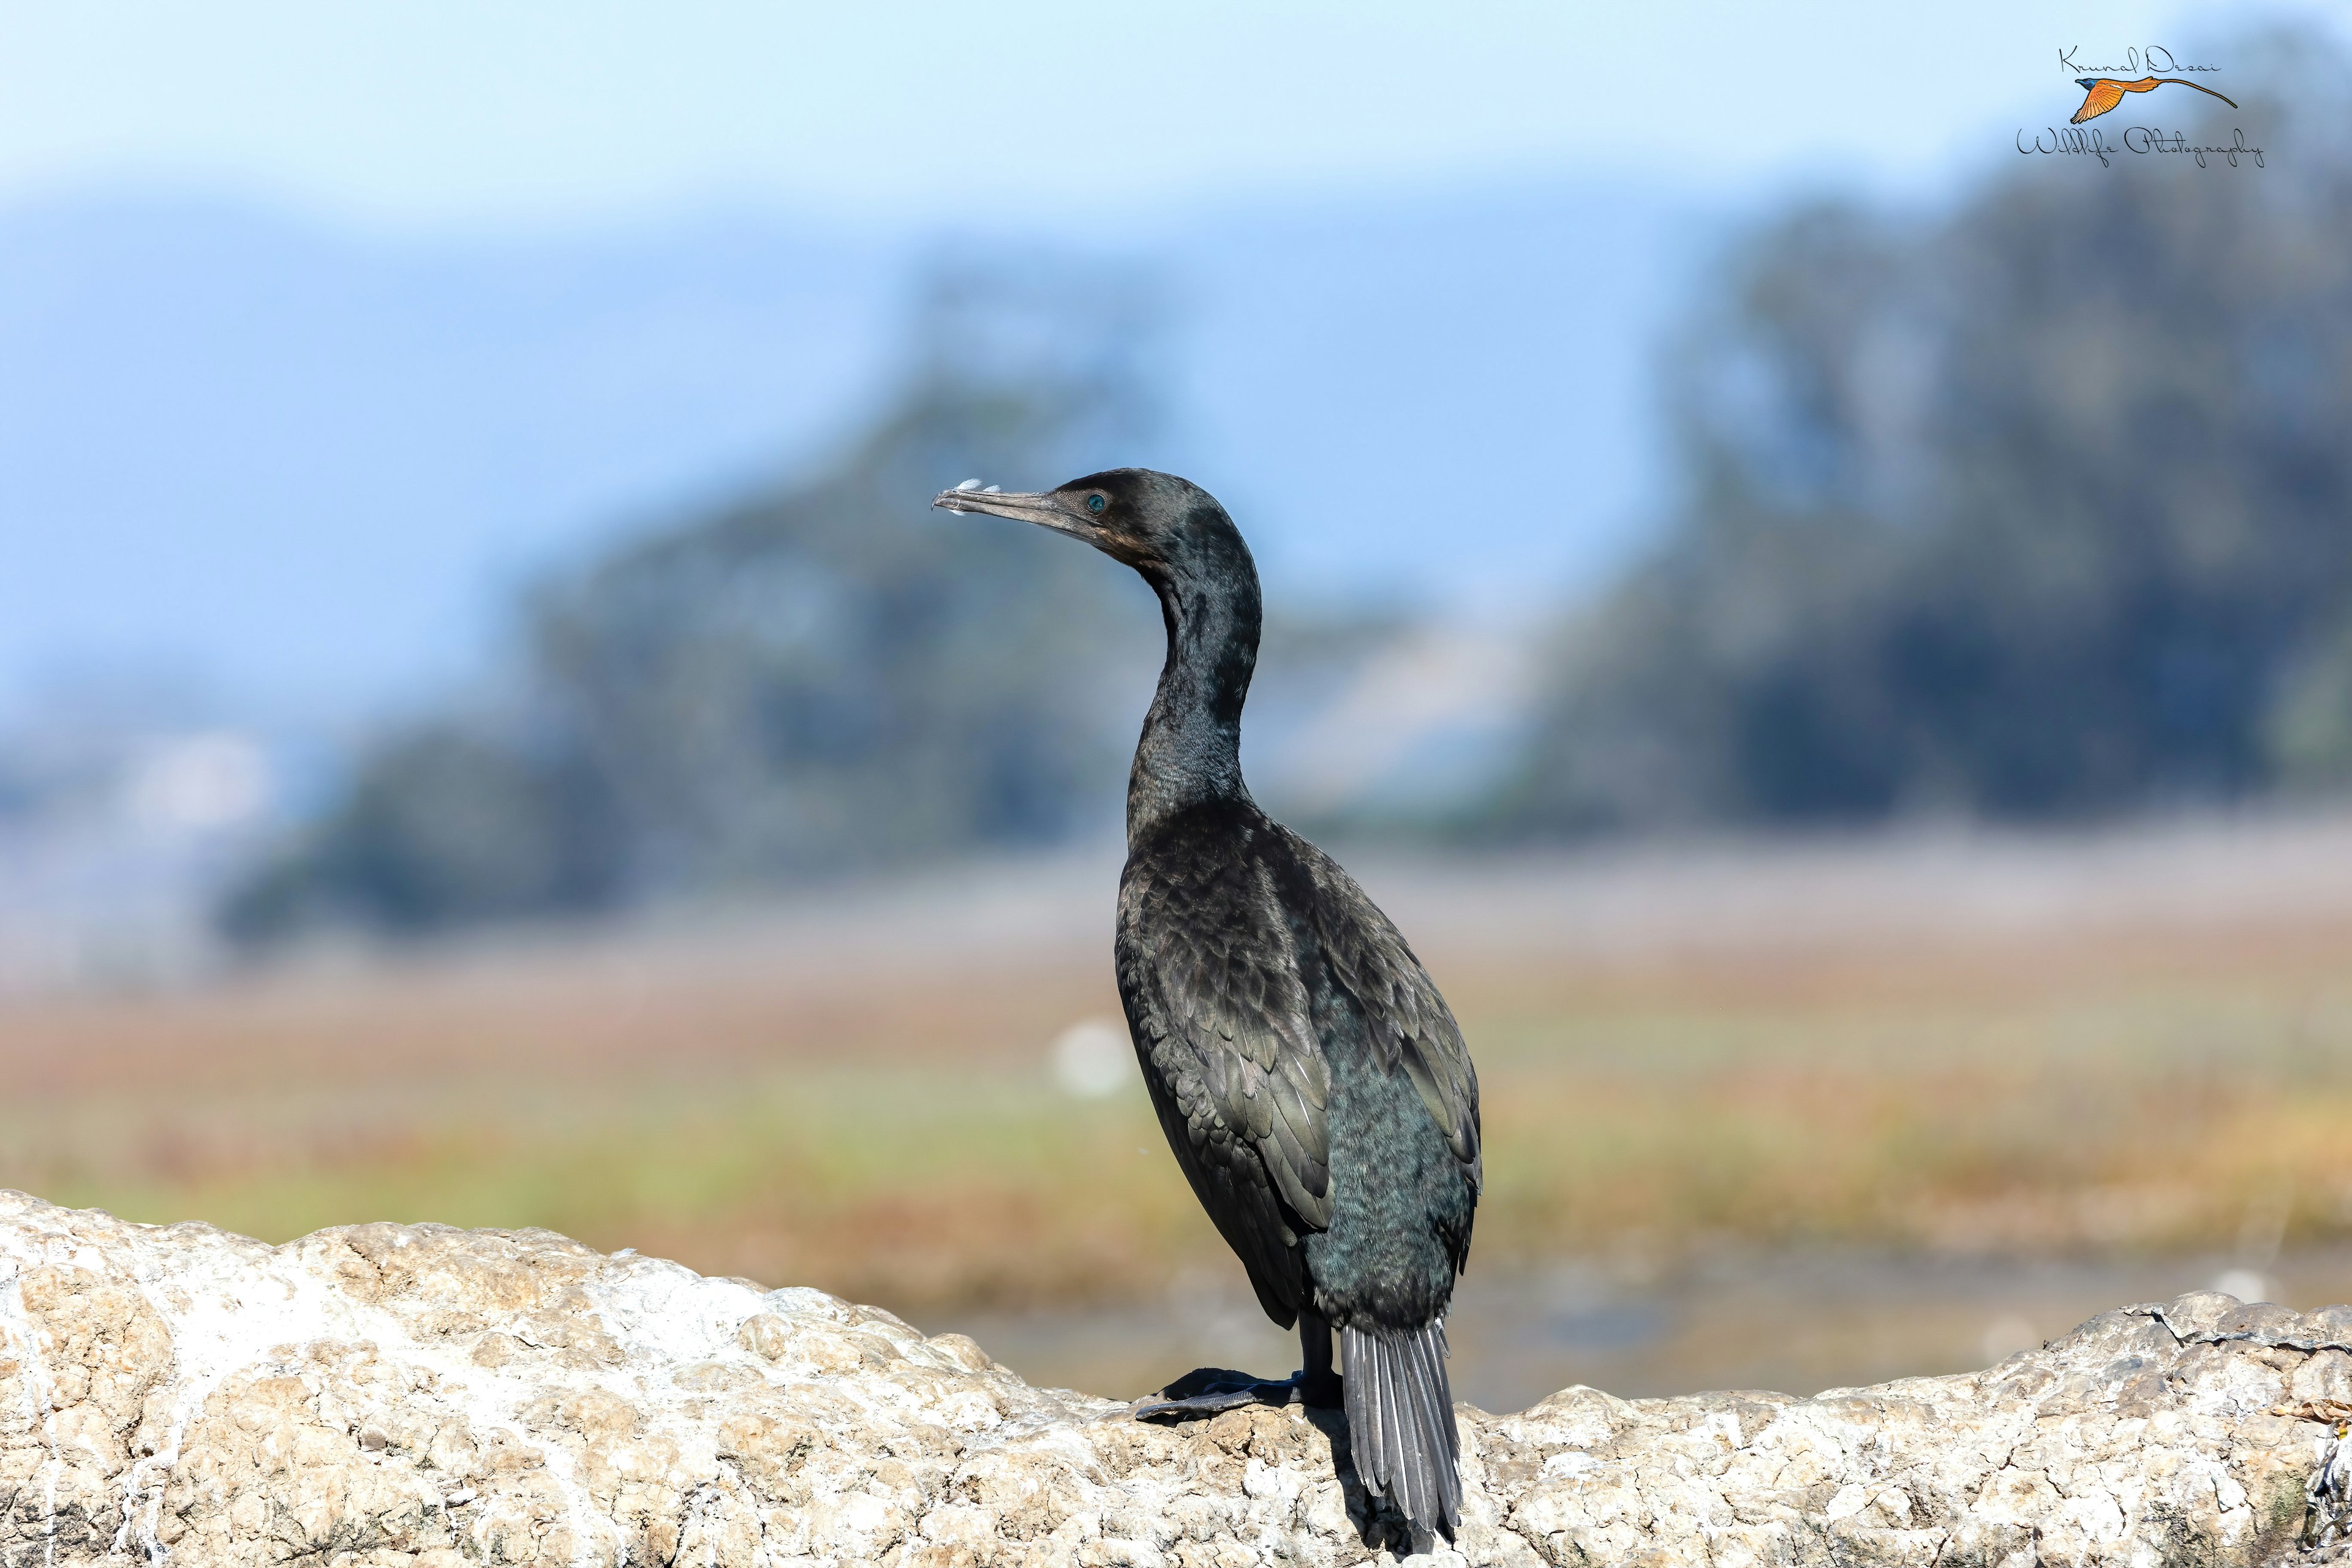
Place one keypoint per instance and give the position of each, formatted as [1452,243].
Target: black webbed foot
[1213,1390]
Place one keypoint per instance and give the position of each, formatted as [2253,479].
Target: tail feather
[1401,1421]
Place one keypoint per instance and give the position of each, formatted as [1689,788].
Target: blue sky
[436,112]
[324,324]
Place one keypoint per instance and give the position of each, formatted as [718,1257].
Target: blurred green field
[861,1100]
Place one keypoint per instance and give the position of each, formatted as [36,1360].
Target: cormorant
[1309,1078]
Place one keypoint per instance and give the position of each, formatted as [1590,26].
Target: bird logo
[2103,92]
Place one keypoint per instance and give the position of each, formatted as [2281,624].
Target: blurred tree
[446,822]
[2039,509]
[2310,728]
[821,678]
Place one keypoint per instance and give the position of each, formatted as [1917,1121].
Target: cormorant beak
[1045,511]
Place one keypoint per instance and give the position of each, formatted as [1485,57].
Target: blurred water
[1794,1323]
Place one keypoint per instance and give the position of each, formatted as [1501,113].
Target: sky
[408,298]
[507,114]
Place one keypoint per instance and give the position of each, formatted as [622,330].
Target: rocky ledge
[420,1395]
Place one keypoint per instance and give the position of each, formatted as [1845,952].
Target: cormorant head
[1164,527]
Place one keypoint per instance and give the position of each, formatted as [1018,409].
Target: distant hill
[313,464]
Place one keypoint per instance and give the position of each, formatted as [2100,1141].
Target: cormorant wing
[1409,1023]
[1208,941]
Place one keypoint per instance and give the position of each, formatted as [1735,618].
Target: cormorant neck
[1190,751]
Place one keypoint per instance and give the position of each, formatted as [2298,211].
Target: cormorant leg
[1213,1389]
[1319,1385]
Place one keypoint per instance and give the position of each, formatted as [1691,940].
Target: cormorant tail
[1401,1421]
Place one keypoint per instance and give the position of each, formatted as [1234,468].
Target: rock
[384,1394]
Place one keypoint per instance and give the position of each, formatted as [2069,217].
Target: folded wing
[1410,1025]
[1210,975]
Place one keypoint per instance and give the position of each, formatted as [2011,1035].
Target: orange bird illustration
[2105,92]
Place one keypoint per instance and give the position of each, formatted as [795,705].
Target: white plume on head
[969,485]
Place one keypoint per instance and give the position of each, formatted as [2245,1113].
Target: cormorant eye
[1095,504]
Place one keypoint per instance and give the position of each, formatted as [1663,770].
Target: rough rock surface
[420,1395]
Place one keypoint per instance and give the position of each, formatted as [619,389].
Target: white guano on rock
[418,1394]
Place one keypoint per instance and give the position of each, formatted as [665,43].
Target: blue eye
[1095,504]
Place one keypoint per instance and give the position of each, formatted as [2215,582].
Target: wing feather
[2104,96]
[1411,1024]
[1208,939]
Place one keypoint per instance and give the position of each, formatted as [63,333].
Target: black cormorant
[1312,1080]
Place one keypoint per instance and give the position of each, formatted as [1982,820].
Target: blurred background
[1822,606]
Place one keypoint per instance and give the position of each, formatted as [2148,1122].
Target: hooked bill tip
[969,485]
